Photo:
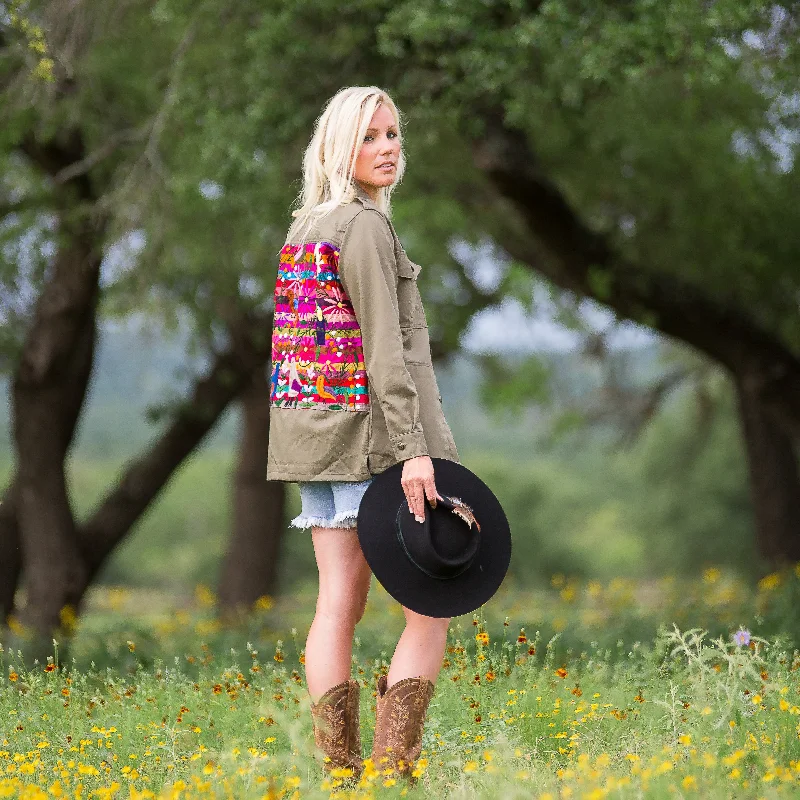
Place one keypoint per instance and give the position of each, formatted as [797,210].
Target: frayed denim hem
[344,519]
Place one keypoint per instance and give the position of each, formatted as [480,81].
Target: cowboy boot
[336,727]
[399,721]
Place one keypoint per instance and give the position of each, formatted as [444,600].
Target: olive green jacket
[352,386]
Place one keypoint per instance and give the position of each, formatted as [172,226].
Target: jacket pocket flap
[407,268]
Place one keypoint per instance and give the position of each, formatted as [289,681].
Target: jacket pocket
[409,302]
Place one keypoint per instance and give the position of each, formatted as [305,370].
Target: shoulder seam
[362,210]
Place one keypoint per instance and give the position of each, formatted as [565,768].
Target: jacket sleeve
[368,272]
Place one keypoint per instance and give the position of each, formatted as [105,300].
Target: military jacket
[352,386]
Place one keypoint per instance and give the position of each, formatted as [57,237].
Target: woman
[358,396]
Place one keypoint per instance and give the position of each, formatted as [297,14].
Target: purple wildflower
[741,637]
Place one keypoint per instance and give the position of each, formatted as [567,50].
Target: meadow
[540,695]
[637,648]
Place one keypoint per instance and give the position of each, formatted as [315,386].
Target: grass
[540,695]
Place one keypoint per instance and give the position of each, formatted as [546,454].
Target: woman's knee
[345,603]
[344,575]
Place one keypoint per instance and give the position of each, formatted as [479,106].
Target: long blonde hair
[328,167]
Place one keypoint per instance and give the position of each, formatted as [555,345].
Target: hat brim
[410,586]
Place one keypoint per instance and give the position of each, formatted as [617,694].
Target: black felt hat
[448,565]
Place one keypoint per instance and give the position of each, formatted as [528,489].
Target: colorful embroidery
[317,355]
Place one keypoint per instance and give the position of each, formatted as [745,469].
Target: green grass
[156,696]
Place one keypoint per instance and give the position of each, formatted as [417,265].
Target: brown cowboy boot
[399,721]
[336,729]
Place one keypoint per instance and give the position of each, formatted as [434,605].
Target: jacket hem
[287,476]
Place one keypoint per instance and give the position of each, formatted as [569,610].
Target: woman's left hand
[418,484]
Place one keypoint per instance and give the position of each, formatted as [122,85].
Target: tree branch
[145,476]
[584,261]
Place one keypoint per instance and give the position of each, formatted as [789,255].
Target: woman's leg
[344,577]
[420,650]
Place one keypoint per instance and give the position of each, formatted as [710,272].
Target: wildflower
[522,638]
[490,676]
[204,596]
[12,676]
[131,646]
[711,575]
[742,637]
[689,782]
[68,617]
[482,637]
[730,760]
[50,667]
[561,672]
[770,582]
[470,766]
[264,603]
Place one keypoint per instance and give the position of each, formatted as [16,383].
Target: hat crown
[445,544]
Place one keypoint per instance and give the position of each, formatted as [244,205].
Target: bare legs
[344,577]
[343,585]
[421,648]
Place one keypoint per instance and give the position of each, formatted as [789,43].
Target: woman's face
[376,164]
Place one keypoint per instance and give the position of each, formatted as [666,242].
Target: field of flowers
[677,688]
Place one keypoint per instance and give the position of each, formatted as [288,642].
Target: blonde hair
[329,161]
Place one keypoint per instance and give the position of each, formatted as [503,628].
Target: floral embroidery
[400,718]
[317,353]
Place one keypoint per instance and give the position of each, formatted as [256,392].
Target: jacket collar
[362,195]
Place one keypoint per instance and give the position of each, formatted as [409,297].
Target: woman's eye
[367,137]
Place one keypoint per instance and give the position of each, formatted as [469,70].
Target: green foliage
[667,125]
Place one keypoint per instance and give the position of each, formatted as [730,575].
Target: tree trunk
[48,391]
[774,479]
[249,569]
[10,552]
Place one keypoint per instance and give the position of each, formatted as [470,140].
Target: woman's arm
[368,271]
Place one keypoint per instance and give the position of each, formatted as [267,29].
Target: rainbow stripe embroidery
[317,354]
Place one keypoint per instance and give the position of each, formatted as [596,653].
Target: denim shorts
[330,504]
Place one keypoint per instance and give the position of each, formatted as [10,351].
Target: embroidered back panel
[317,355]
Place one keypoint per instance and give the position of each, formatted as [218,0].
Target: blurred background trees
[602,199]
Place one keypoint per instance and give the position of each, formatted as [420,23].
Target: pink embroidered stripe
[317,354]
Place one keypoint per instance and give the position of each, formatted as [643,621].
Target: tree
[645,154]
[187,149]
[83,166]
[639,154]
